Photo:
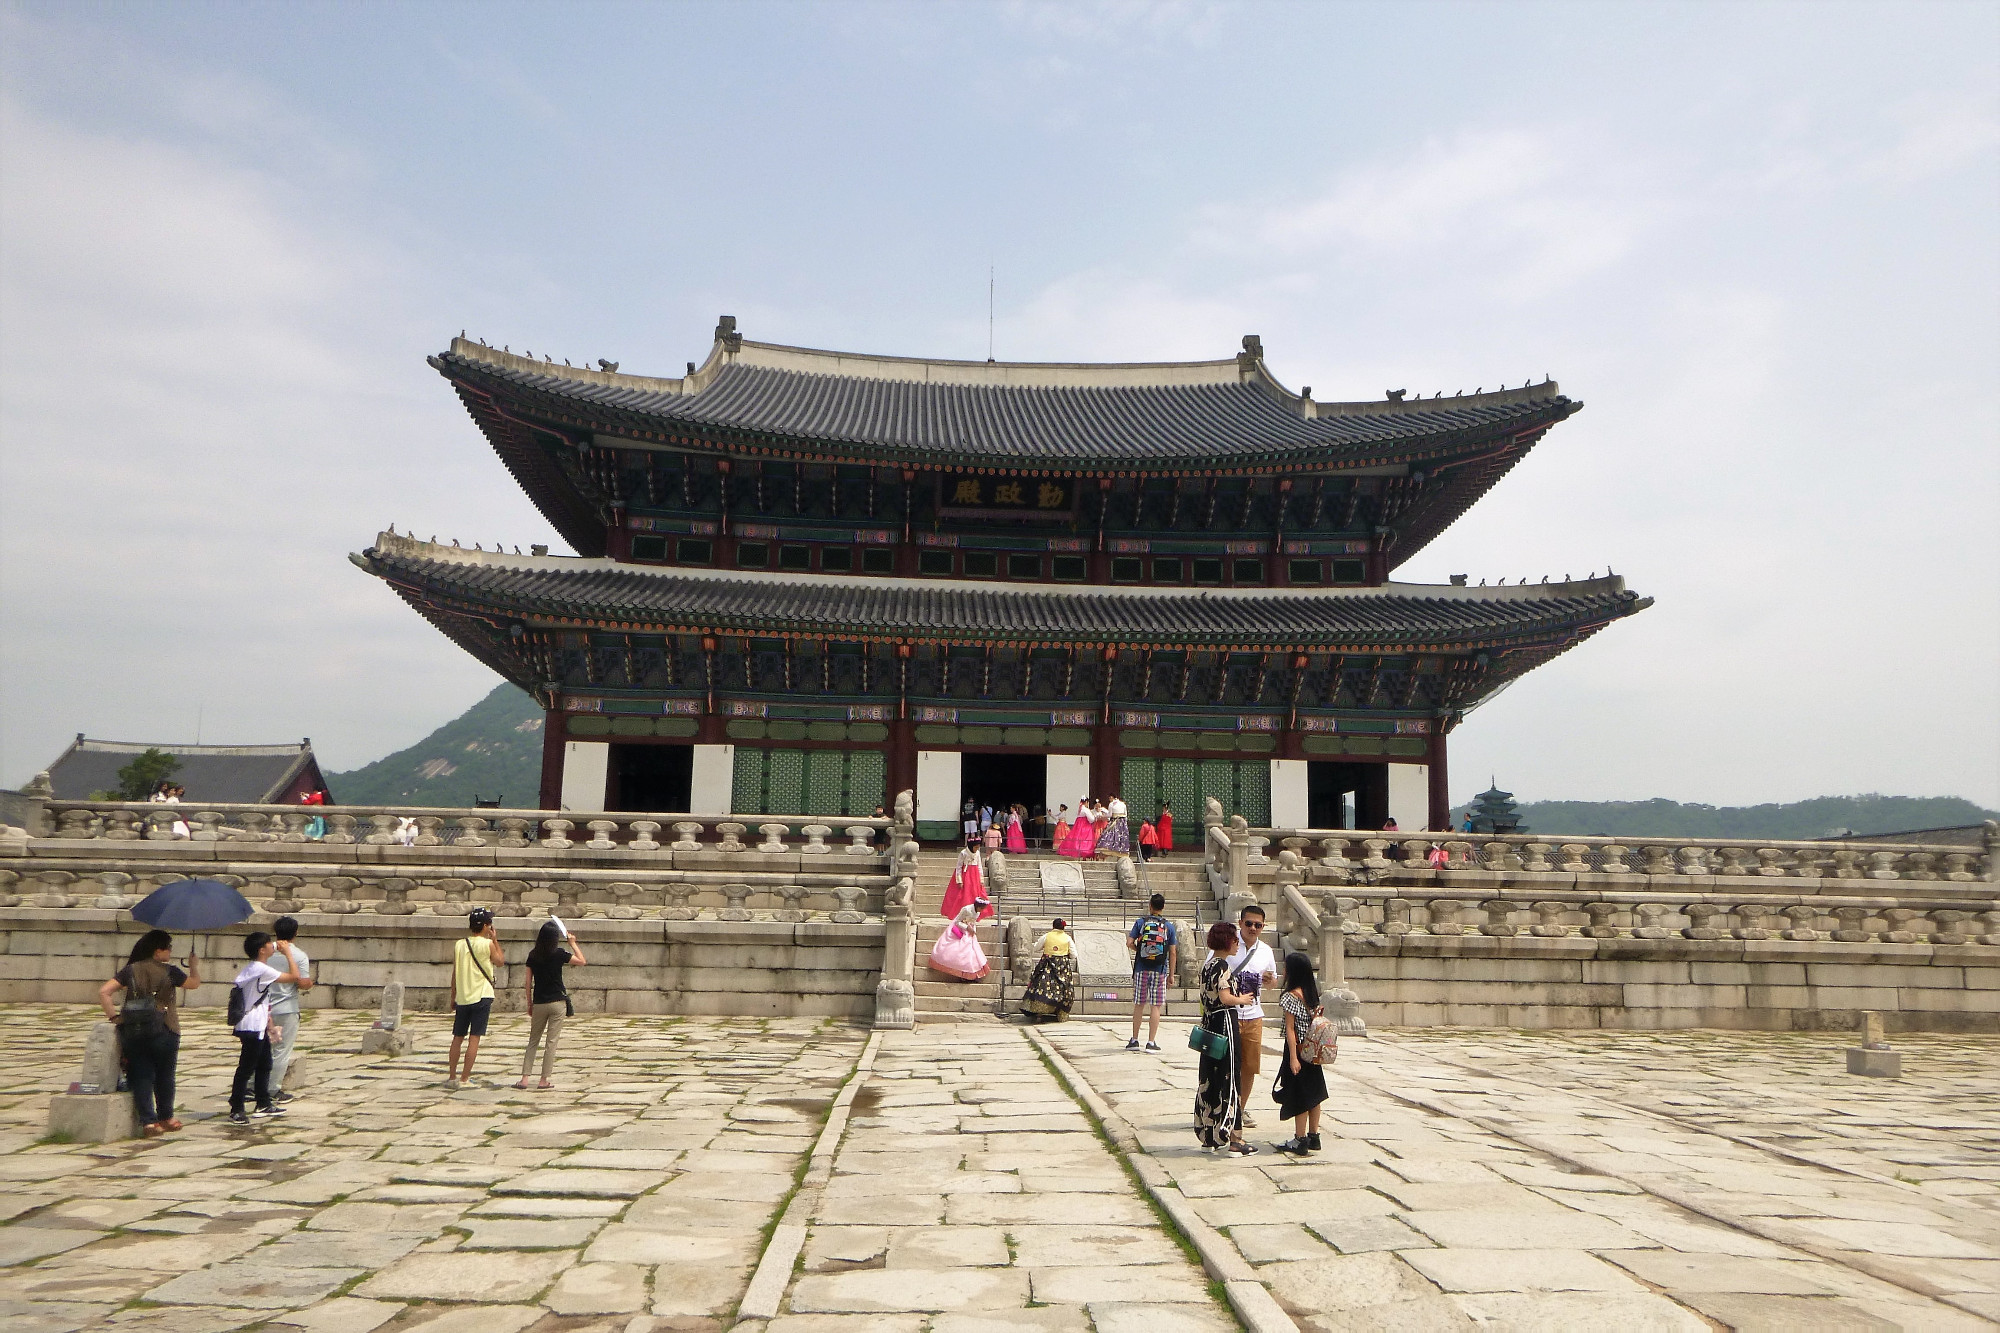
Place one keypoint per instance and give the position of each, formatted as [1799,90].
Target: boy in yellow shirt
[473,960]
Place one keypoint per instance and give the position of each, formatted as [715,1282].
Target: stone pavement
[641,1187]
[971,1194]
[1523,1181]
[795,1176]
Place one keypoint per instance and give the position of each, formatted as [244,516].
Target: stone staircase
[1098,910]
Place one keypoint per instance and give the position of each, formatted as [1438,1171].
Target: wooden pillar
[553,740]
[1107,763]
[1440,802]
[1371,798]
[902,760]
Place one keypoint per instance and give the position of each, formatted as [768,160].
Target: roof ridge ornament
[726,334]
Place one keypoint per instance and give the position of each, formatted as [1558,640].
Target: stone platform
[797,1176]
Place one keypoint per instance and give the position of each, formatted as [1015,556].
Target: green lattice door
[831,783]
[1242,785]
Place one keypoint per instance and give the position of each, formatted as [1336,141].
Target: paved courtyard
[795,1176]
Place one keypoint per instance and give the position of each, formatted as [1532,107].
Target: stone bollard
[94,1110]
[1872,1057]
[388,1036]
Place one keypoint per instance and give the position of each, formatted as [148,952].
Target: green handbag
[1214,1045]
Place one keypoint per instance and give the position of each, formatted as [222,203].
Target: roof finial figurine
[1396,395]
[606,366]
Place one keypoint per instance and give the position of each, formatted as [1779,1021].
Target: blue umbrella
[193,904]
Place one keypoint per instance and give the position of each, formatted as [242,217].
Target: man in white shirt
[1251,967]
[285,1003]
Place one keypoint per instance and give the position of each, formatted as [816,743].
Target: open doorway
[650,778]
[1002,780]
[1346,795]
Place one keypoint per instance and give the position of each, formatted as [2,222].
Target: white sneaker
[451,1085]
[1153,1047]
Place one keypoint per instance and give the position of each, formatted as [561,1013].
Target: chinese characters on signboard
[1053,497]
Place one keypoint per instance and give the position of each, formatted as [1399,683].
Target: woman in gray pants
[548,997]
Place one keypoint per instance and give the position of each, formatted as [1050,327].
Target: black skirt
[1298,1093]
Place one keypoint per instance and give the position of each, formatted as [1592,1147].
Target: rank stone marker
[388,1036]
[1873,1058]
[94,1110]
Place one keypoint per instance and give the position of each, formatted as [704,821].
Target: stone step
[932,983]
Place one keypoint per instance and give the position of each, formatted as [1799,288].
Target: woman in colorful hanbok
[1082,839]
[316,826]
[1100,820]
[1061,828]
[1017,833]
[957,952]
[1164,826]
[1117,838]
[1052,989]
[967,886]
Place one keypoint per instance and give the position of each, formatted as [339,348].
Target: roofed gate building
[808,579]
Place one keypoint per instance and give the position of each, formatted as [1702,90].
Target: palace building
[805,580]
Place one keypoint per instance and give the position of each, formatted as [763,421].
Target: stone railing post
[1603,921]
[774,837]
[687,836]
[1950,926]
[860,838]
[339,890]
[1651,918]
[642,836]
[1537,857]
[1699,916]
[470,829]
[732,836]
[556,834]
[39,791]
[1992,860]
[1750,922]
[1805,922]
[1239,858]
[1499,918]
[850,903]
[1396,917]
[1897,920]
[1444,917]
[1853,927]
[895,993]
[1549,919]
[1989,923]
[739,900]
[601,831]
[816,840]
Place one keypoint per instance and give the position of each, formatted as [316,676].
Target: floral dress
[1218,1113]
[1298,1093]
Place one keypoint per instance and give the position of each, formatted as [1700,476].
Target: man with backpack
[1151,942]
[473,960]
[250,1017]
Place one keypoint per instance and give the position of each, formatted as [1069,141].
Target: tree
[137,779]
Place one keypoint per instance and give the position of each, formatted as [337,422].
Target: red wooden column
[1440,813]
[1107,763]
[902,761]
[552,758]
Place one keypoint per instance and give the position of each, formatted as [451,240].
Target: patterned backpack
[1318,1043]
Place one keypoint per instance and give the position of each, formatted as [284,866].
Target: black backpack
[237,1003]
[139,1017]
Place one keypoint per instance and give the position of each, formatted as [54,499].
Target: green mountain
[493,749]
[1816,818]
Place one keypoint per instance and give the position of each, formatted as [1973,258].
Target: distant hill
[492,749]
[1816,818]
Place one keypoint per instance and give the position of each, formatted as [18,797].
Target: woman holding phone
[548,996]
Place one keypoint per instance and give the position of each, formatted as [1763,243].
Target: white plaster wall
[1067,780]
[586,764]
[1288,793]
[938,784]
[1410,796]
[713,789]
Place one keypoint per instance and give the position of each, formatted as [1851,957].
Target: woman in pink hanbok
[957,952]
[1017,836]
[1082,839]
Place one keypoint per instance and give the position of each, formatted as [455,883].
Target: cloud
[1518,211]
[1123,22]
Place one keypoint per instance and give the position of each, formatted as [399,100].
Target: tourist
[967,885]
[250,1008]
[1440,856]
[149,1026]
[1389,825]
[406,831]
[1252,966]
[1300,1086]
[548,995]
[1081,840]
[1100,820]
[285,1003]
[1469,828]
[1017,833]
[1117,837]
[1165,825]
[1218,1108]
[1151,942]
[957,952]
[1061,829]
[1052,988]
[316,826]
[1149,839]
[969,821]
[473,959]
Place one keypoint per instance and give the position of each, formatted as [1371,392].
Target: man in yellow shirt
[473,960]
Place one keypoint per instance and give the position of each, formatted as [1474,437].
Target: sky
[1758,242]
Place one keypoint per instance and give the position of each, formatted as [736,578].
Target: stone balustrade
[194,828]
[1346,855]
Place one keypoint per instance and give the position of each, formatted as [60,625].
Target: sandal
[172,1124]
[545,1085]
[522,1085]
[1243,1149]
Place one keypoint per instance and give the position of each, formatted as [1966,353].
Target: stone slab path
[1496,1180]
[970,1193]
[639,1190]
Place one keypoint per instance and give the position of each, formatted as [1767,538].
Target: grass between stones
[1216,1290]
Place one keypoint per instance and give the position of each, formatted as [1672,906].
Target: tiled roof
[543,590]
[1247,420]
[246,773]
